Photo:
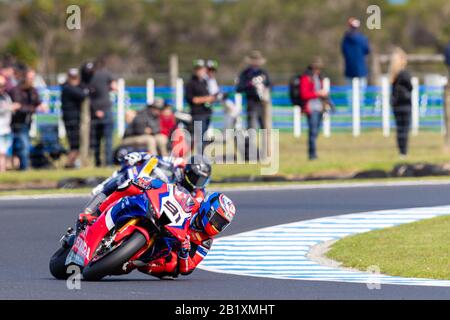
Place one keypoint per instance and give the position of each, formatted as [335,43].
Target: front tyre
[113,261]
[57,264]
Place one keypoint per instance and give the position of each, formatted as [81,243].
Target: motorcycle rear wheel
[112,262]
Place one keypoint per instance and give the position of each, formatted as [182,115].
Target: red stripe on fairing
[94,235]
[80,247]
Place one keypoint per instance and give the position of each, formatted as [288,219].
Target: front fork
[128,229]
[68,239]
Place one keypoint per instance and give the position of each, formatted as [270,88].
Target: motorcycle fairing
[164,199]
[87,242]
[118,213]
[167,200]
[126,209]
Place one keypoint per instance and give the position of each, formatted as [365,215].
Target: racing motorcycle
[134,229]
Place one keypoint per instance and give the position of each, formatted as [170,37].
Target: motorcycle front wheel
[112,262]
[57,264]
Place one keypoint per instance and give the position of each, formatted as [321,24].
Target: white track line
[281,252]
[43,196]
[273,187]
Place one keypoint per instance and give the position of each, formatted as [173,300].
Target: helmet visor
[197,181]
[218,222]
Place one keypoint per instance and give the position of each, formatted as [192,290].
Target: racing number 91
[173,210]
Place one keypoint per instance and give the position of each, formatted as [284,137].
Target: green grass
[341,154]
[419,249]
[82,191]
[345,154]
[52,175]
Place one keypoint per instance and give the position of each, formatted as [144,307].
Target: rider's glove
[87,218]
[132,158]
[179,162]
[185,248]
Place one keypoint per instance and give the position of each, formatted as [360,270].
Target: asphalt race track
[31,229]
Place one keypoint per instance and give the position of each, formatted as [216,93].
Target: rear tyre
[113,261]
[57,264]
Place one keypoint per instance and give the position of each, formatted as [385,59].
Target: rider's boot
[163,268]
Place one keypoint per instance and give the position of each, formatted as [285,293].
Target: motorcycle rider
[209,217]
[214,214]
[193,176]
[196,176]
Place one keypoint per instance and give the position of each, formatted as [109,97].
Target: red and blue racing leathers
[175,263]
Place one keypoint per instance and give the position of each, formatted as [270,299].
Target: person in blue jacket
[355,48]
[447,57]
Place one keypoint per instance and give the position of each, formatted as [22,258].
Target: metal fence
[355,112]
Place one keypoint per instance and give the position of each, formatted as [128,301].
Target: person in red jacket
[167,123]
[313,95]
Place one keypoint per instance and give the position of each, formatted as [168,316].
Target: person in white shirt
[6,109]
[231,111]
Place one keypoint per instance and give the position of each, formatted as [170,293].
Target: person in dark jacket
[254,82]
[102,122]
[200,102]
[26,95]
[144,129]
[355,47]
[447,56]
[401,98]
[72,96]
[313,95]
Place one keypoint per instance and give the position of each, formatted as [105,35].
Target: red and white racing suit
[173,264]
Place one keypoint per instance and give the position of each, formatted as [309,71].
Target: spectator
[401,98]
[27,97]
[167,124]
[86,73]
[200,101]
[7,71]
[102,122]
[144,128]
[72,96]
[19,72]
[447,56]
[231,111]
[213,85]
[254,82]
[313,95]
[6,109]
[355,47]
[155,116]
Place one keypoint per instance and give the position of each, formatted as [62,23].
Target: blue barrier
[431,105]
